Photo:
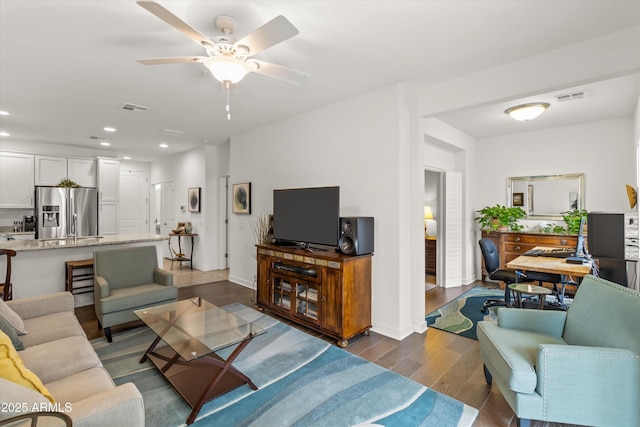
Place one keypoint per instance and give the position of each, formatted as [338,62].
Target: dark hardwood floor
[440,360]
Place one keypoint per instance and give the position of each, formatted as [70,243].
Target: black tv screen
[307,215]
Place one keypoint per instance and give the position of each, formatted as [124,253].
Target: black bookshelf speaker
[356,235]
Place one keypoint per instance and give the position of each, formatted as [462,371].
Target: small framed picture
[242,198]
[193,197]
[518,199]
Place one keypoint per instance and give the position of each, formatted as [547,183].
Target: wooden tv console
[322,290]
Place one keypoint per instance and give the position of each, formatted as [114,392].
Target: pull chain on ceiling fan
[229,61]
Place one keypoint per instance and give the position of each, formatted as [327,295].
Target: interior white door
[453,229]
[168,211]
[134,202]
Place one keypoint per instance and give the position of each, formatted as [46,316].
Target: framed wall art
[518,199]
[193,197]
[242,198]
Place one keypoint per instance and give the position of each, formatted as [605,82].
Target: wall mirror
[546,196]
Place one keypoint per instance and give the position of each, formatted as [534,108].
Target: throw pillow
[12,318]
[12,368]
[11,333]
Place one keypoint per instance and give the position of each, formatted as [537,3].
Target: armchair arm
[603,384]
[549,322]
[120,406]
[162,277]
[102,284]
[28,308]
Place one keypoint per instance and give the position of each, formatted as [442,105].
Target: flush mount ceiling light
[527,112]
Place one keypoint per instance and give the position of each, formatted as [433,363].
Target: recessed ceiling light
[4,133]
[163,145]
[127,158]
[109,129]
[105,143]
[4,113]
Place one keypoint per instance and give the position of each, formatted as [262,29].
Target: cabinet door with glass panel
[307,301]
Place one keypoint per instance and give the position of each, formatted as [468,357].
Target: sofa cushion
[51,327]
[137,296]
[11,333]
[513,354]
[54,360]
[12,318]
[124,267]
[12,368]
[25,397]
[92,381]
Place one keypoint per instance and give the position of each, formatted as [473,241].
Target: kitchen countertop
[44,244]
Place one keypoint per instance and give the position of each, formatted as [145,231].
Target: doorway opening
[433,214]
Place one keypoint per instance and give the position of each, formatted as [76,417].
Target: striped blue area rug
[302,381]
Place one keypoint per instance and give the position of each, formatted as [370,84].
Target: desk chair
[5,288]
[492,265]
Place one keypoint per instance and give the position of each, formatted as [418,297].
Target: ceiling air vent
[133,107]
[570,96]
[97,138]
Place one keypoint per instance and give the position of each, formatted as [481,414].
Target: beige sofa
[57,350]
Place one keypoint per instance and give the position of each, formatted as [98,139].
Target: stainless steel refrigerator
[65,212]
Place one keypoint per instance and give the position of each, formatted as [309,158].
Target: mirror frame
[552,216]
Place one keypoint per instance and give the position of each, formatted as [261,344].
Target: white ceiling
[66,67]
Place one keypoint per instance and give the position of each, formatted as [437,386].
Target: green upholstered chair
[127,279]
[581,366]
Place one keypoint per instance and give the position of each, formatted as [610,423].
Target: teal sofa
[581,366]
[128,279]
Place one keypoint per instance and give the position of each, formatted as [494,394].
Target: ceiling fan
[227,59]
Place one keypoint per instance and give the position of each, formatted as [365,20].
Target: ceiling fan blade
[175,22]
[273,32]
[279,72]
[172,60]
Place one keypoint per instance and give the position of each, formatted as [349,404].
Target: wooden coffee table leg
[226,367]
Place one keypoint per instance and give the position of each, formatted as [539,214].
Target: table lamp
[427,215]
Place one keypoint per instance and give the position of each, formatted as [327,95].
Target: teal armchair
[128,279]
[579,367]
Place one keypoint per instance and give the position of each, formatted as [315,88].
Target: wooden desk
[549,265]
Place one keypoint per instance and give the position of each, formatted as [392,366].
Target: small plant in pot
[572,219]
[500,217]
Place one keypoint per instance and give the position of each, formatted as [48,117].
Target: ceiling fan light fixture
[526,112]
[227,69]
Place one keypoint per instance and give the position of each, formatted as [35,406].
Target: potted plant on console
[500,218]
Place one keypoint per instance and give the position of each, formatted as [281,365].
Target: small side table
[180,256]
[523,288]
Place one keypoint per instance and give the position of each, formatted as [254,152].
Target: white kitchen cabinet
[108,218]
[108,196]
[50,170]
[82,171]
[108,180]
[16,180]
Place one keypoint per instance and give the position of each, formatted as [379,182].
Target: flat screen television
[307,216]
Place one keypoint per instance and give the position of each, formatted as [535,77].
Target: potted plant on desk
[500,218]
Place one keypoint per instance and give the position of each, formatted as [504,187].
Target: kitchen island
[39,269]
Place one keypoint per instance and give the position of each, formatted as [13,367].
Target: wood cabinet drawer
[540,240]
[518,248]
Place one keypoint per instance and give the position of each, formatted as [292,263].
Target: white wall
[357,144]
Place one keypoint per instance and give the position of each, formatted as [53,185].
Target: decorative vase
[188,228]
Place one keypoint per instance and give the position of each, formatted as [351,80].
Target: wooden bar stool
[71,278]
[5,288]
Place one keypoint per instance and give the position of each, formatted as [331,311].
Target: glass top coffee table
[192,331]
